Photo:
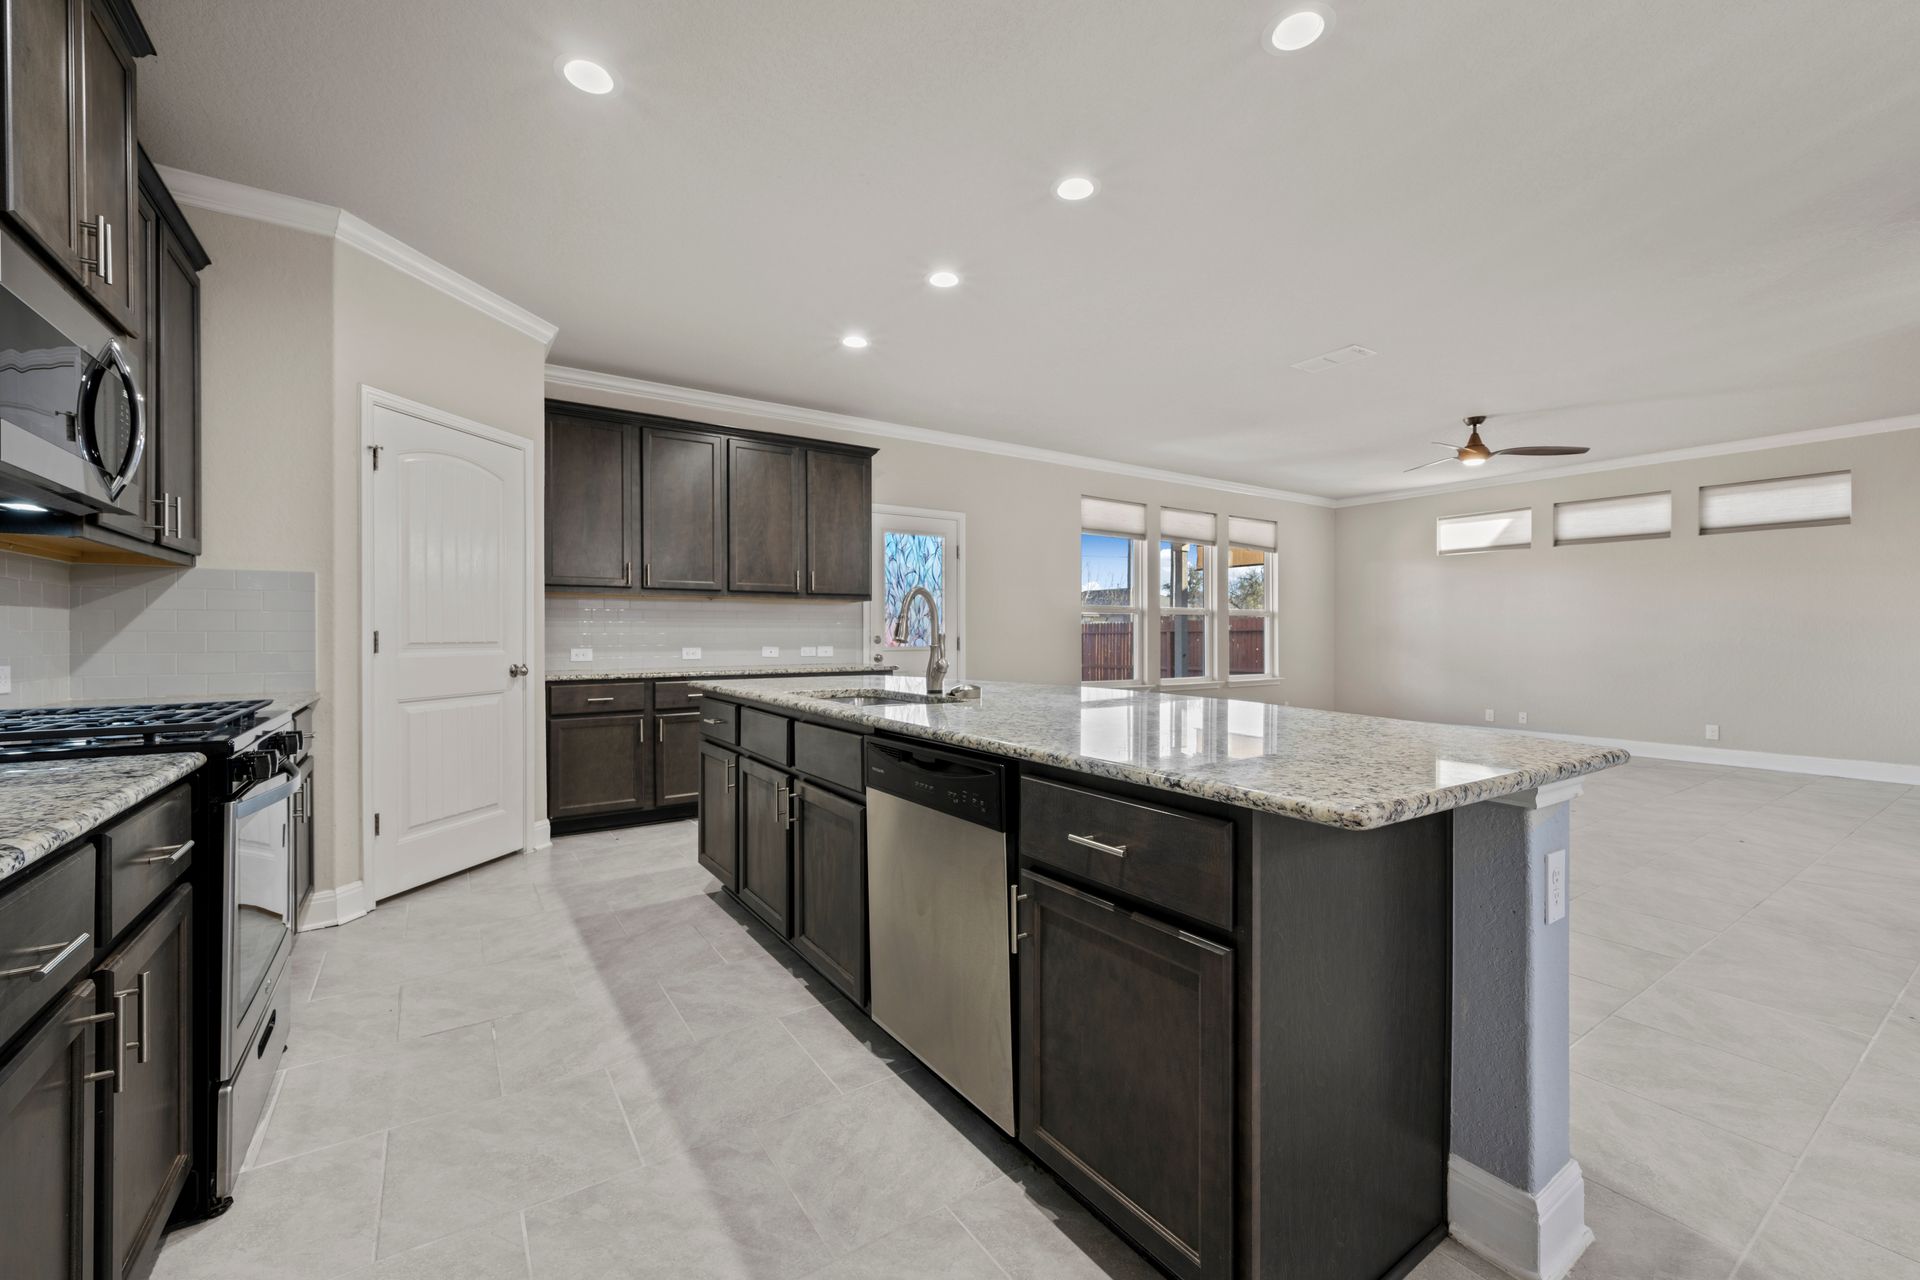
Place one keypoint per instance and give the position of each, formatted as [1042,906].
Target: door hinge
[376,641]
[376,824]
[374,449]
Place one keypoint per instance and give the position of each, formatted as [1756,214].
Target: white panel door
[449,728]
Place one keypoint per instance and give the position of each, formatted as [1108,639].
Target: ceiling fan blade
[1436,462]
[1542,450]
[1450,448]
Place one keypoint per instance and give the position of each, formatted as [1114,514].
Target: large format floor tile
[1847,986]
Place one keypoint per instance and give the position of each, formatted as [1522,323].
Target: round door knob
[518,669]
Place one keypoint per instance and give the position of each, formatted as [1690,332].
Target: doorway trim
[871,619]
[533,478]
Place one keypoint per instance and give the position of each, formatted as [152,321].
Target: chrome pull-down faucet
[937,650]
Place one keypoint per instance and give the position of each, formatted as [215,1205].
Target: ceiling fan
[1473,452]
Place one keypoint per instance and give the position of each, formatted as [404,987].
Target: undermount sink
[868,699]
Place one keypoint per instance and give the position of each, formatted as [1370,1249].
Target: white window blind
[1242,532]
[1104,515]
[1188,526]
[1761,504]
[1487,531]
[1641,515]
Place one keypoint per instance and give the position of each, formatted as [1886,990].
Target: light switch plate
[1489,715]
[690,653]
[1523,717]
[826,651]
[583,655]
[809,651]
[6,679]
[1556,886]
[1713,733]
[769,650]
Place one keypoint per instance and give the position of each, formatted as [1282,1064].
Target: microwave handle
[116,355]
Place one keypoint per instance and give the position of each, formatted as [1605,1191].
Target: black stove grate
[150,720]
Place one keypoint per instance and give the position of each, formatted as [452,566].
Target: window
[1250,597]
[1644,515]
[1487,531]
[1793,502]
[1112,542]
[912,560]
[1186,601]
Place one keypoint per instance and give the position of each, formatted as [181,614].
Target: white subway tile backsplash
[35,630]
[635,635]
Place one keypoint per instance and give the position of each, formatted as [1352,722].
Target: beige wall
[1022,558]
[1799,641]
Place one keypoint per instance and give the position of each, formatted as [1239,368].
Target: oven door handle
[265,796]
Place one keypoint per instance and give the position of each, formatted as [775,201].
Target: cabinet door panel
[148,1118]
[42,124]
[676,758]
[839,524]
[596,764]
[1122,1015]
[47,1153]
[107,187]
[766,516]
[141,496]
[683,541]
[720,814]
[175,386]
[766,844]
[830,889]
[591,525]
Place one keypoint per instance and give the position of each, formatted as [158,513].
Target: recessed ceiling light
[1297,30]
[588,77]
[854,341]
[944,279]
[29,507]
[1074,188]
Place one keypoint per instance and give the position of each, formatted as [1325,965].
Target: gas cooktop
[152,722]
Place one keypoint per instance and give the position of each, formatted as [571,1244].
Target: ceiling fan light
[1472,462]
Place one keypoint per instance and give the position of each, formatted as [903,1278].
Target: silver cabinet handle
[731,765]
[106,250]
[781,796]
[42,972]
[179,515]
[711,720]
[793,805]
[1014,899]
[646,573]
[165,511]
[169,856]
[608,698]
[120,1044]
[626,573]
[1088,842]
[142,987]
[813,580]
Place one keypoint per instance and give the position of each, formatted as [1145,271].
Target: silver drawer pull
[608,698]
[711,720]
[45,971]
[693,696]
[1088,842]
[172,855]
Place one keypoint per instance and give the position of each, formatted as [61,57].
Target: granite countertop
[1329,767]
[47,804]
[721,673]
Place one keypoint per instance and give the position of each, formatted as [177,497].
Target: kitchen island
[1287,989]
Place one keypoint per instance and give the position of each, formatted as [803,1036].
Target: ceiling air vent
[1333,359]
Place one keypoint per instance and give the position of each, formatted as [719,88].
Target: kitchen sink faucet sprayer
[937,649]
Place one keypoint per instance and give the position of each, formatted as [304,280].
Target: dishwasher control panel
[961,786]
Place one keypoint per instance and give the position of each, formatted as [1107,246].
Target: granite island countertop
[48,804]
[719,673]
[1330,767]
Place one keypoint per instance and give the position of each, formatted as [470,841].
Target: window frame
[1208,612]
[1135,613]
[1440,522]
[1269,613]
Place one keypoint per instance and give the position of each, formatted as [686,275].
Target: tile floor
[588,1065]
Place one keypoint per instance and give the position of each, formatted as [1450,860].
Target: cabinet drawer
[720,721]
[831,755]
[1176,860]
[144,853]
[766,734]
[574,699]
[40,924]
[676,695]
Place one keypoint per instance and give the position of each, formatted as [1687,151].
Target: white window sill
[1242,681]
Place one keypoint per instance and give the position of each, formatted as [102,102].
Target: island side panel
[1347,1008]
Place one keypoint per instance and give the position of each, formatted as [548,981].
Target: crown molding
[814,419]
[1753,444]
[221,196]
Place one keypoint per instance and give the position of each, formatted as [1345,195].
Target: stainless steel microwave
[73,419]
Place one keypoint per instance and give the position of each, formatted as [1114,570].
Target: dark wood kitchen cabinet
[596,764]
[683,510]
[766,515]
[676,757]
[719,846]
[1124,1015]
[830,888]
[147,1114]
[42,126]
[48,1191]
[766,843]
[839,524]
[593,499]
[108,242]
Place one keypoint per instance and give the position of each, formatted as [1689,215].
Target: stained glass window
[913,560]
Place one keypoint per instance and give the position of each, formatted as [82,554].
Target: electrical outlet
[6,679]
[583,655]
[1489,715]
[1556,886]
[690,653]
[826,651]
[1713,733]
[809,651]
[1523,717]
[769,650]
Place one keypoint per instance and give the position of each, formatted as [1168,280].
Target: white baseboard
[1828,766]
[542,836]
[1534,1237]
[329,907]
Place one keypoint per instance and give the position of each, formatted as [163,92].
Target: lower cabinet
[830,888]
[47,1153]
[1125,1016]
[147,1112]
[719,847]
[676,757]
[596,764]
[766,843]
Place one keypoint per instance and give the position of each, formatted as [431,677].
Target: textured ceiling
[1640,226]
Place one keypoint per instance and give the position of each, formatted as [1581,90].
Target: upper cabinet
[644,504]
[70,176]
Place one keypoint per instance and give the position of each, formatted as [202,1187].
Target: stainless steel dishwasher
[939,911]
